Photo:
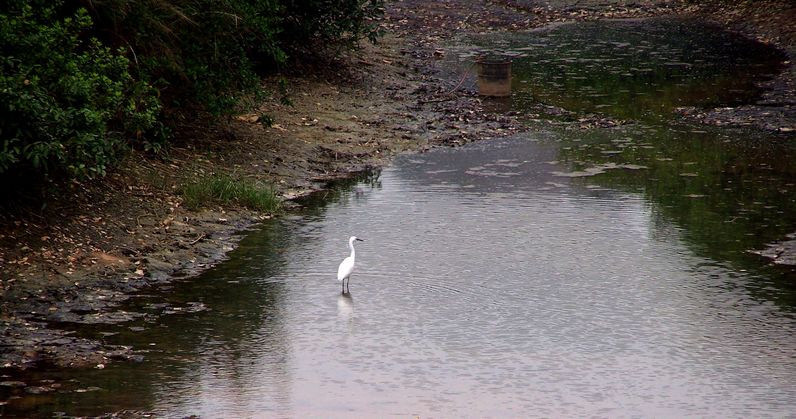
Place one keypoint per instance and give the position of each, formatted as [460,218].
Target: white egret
[347,265]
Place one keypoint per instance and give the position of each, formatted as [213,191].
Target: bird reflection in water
[345,306]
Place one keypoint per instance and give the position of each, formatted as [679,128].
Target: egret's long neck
[351,246]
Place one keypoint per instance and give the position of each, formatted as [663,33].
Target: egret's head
[352,239]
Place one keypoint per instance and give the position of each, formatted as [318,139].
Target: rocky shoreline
[77,263]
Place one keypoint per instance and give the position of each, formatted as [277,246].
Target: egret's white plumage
[347,265]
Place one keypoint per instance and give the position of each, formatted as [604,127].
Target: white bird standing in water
[347,265]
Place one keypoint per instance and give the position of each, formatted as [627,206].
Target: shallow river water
[563,272]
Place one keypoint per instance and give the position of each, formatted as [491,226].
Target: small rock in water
[38,390]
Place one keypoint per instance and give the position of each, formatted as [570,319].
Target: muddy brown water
[563,272]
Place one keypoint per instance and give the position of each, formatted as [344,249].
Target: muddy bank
[78,260]
[782,252]
[769,23]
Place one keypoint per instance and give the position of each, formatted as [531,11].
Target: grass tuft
[220,189]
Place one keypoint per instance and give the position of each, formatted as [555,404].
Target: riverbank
[76,261]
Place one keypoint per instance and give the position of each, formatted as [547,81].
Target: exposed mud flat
[782,252]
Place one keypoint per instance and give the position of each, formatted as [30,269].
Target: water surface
[639,70]
[565,272]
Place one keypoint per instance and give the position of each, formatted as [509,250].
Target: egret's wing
[345,268]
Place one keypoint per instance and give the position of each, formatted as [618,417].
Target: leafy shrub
[65,101]
[211,53]
[77,84]
[312,24]
[202,53]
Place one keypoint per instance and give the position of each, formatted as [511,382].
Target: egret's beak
[360,240]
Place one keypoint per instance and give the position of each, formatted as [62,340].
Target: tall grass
[221,189]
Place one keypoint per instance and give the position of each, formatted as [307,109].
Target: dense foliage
[312,24]
[64,100]
[198,52]
[81,81]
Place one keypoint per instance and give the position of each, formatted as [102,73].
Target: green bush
[202,53]
[78,84]
[310,25]
[211,54]
[66,102]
